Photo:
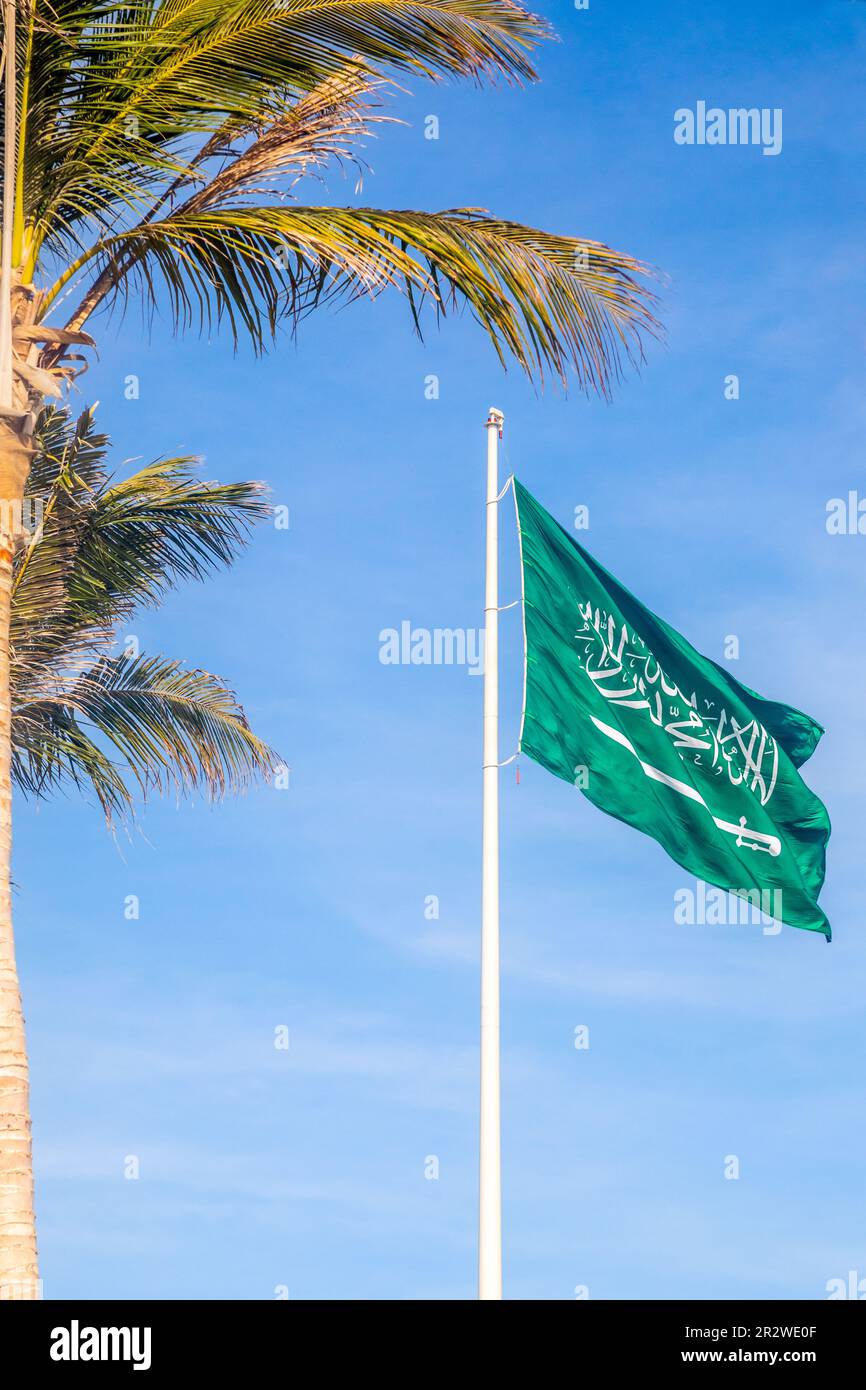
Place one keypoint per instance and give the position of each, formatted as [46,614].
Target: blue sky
[304,1169]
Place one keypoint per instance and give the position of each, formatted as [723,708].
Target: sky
[709,1141]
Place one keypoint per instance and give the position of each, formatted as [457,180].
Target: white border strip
[522,609]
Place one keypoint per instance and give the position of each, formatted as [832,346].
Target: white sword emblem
[746,837]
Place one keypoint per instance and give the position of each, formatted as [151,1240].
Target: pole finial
[495,419]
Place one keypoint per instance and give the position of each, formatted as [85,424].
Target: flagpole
[490,1182]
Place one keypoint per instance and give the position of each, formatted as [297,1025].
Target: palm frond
[51,750]
[168,727]
[162,138]
[551,302]
[100,550]
[149,73]
[105,548]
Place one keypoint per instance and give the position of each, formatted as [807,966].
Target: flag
[621,705]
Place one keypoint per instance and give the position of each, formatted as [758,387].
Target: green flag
[621,705]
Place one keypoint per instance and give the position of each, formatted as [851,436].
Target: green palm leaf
[50,749]
[100,550]
[105,547]
[163,138]
[150,72]
[166,727]
[551,302]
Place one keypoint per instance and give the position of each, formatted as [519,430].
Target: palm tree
[83,715]
[154,149]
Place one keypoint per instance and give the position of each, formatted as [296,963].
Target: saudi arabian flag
[621,705]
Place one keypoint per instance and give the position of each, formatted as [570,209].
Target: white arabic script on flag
[624,671]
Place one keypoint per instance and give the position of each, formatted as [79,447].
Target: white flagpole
[490,1182]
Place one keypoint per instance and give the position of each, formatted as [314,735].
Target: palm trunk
[18,1267]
